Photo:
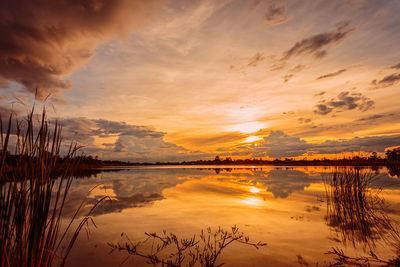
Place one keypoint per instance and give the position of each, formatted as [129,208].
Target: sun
[254,190]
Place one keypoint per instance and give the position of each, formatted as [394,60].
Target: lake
[293,209]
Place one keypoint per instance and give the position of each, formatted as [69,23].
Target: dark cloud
[320,94]
[395,66]
[376,117]
[275,15]
[297,68]
[344,101]
[42,41]
[279,145]
[304,120]
[359,124]
[252,62]
[277,66]
[322,109]
[291,72]
[119,146]
[287,77]
[257,58]
[317,44]
[367,144]
[107,128]
[388,80]
[332,74]
[147,149]
[82,128]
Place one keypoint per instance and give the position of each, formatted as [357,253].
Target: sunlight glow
[251,139]
[247,127]
[255,190]
[251,201]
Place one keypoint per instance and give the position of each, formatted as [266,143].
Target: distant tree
[228,160]
[373,156]
[217,159]
[393,154]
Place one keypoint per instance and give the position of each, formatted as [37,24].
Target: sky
[186,80]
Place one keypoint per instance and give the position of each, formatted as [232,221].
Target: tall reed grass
[34,185]
[356,210]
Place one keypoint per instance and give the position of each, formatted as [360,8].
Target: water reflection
[356,211]
[394,170]
[142,187]
[284,207]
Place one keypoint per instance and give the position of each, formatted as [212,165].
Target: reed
[34,185]
[356,211]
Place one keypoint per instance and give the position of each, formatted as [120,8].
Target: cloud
[291,72]
[376,117]
[297,68]
[3,83]
[287,77]
[114,140]
[278,145]
[395,66]
[107,128]
[147,148]
[332,74]
[320,94]
[277,66]
[42,41]
[387,81]
[132,142]
[304,120]
[281,183]
[344,101]
[83,128]
[317,44]
[257,58]
[322,109]
[275,15]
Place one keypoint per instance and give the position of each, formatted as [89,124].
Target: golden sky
[184,80]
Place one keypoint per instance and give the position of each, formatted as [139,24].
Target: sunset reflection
[277,204]
[135,118]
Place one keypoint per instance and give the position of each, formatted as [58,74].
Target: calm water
[284,207]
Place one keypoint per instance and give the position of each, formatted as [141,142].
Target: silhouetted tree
[373,156]
[393,154]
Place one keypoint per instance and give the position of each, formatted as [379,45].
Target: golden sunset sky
[185,80]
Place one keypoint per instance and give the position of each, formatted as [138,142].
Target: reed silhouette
[31,198]
[356,211]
